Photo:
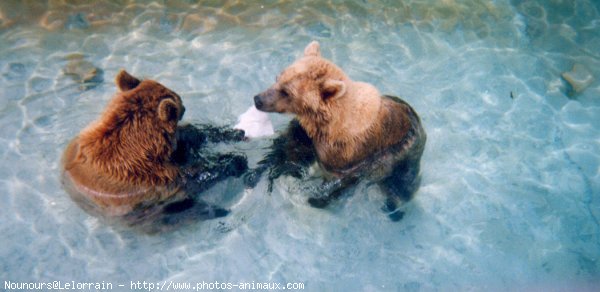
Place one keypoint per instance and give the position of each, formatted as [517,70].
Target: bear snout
[268,101]
[258,102]
[182,112]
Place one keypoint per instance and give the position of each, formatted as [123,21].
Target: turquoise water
[510,196]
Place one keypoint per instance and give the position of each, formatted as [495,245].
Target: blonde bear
[348,127]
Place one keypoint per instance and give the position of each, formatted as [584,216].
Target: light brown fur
[349,127]
[123,159]
[347,121]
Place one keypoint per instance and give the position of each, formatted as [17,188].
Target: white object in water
[255,123]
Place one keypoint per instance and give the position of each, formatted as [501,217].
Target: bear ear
[168,110]
[125,81]
[312,50]
[332,88]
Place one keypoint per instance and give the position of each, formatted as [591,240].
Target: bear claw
[319,203]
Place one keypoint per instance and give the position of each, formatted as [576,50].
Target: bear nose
[182,112]
[257,102]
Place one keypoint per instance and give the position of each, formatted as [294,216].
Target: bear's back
[396,137]
[101,195]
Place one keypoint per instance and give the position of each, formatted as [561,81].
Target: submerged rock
[15,71]
[197,23]
[4,21]
[83,71]
[579,78]
[52,20]
[77,21]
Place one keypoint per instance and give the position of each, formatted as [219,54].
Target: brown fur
[123,159]
[347,121]
[352,129]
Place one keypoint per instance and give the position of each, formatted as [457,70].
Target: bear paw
[251,178]
[319,203]
[233,164]
[391,208]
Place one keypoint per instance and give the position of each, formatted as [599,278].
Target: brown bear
[352,130]
[136,163]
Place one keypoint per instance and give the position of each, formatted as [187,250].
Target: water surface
[510,196]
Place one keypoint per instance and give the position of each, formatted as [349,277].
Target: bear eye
[284,93]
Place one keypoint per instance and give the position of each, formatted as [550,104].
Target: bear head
[306,87]
[134,138]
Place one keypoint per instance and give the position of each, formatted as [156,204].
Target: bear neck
[355,112]
[341,129]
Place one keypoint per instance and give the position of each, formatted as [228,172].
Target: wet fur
[134,161]
[354,131]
